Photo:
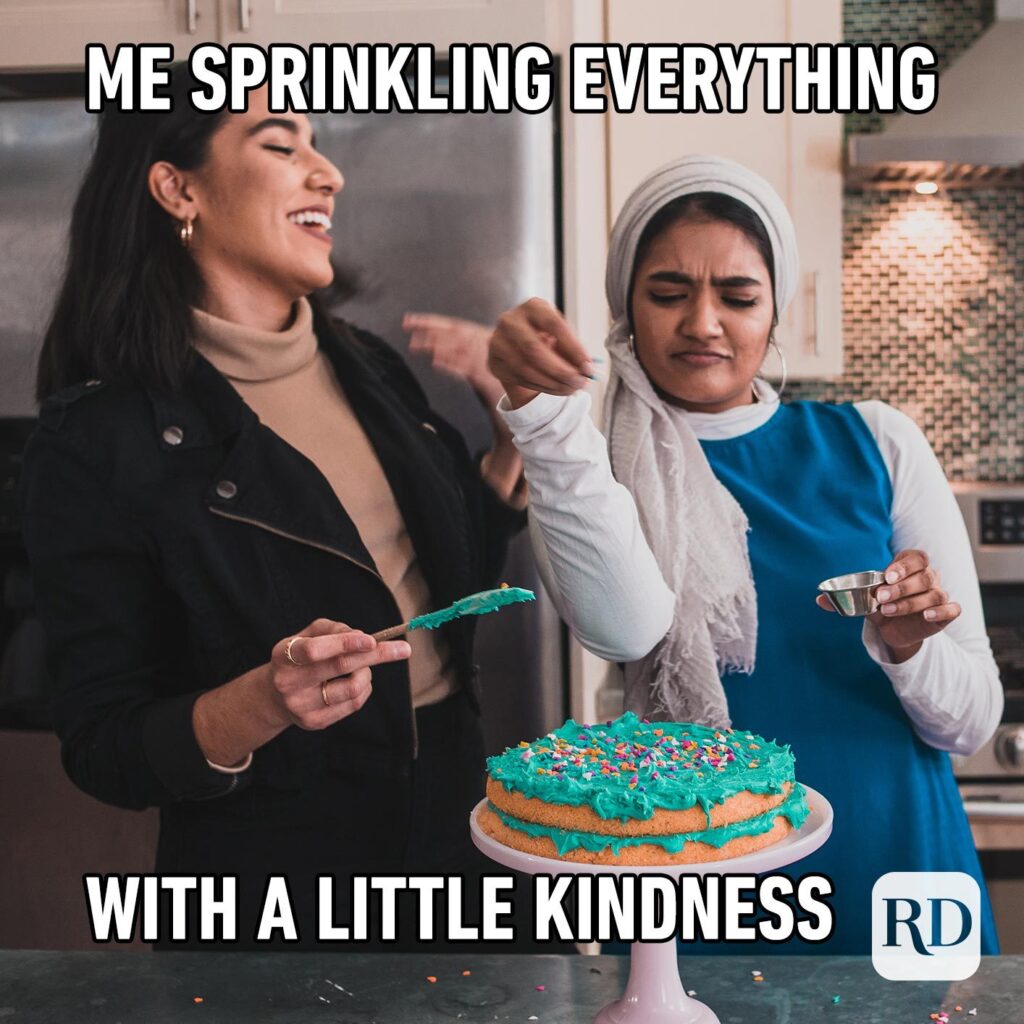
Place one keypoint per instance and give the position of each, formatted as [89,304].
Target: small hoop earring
[185,232]
[631,341]
[772,343]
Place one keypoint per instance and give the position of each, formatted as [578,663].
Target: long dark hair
[706,206]
[123,309]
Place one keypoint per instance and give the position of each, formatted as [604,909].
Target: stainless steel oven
[992,780]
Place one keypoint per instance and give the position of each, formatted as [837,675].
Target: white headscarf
[694,526]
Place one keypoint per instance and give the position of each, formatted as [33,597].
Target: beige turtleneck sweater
[290,384]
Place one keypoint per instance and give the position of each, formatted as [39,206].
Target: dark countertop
[112,987]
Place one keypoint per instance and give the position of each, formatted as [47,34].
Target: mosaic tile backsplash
[933,286]
[947,26]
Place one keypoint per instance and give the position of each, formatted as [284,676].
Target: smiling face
[702,312]
[263,202]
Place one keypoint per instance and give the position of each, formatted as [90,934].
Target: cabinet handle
[816,299]
[243,15]
[191,16]
[1003,810]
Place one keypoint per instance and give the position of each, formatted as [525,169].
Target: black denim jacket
[174,539]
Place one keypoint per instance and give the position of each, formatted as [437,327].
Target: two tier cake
[645,793]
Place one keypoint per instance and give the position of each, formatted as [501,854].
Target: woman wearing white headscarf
[687,546]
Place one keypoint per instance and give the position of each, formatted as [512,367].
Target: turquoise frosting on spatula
[476,604]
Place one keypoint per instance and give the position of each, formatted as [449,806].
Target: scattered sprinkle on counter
[974,1012]
[323,1000]
[466,974]
[540,988]
[835,999]
[197,999]
[432,979]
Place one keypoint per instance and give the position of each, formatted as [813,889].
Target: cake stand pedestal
[654,993]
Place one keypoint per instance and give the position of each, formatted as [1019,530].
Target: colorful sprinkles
[631,765]
[630,768]
[602,752]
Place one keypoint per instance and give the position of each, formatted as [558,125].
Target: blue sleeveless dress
[817,494]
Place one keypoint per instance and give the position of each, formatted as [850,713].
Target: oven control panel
[1002,757]
[994,516]
[1001,522]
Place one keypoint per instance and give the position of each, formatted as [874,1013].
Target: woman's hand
[533,349]
[456,347]
[459,348]
[323,674]
[913,604]
[327,678]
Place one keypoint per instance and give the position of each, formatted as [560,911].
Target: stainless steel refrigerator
[457,213]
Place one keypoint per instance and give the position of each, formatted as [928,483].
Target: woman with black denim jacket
[226,495]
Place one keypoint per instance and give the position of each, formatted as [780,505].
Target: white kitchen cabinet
[53,34]
[436,22]
[800,154]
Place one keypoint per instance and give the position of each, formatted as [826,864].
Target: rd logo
[926,925]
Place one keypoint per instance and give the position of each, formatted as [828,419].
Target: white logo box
[926,926]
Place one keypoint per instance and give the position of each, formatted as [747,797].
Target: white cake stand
[654,993]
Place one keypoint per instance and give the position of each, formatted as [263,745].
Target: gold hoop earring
[185,232]
[784,373]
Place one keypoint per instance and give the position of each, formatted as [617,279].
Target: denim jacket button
[173,435]
[226,489]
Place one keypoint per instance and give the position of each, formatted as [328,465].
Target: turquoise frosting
[476,604]
[794,807]
[628,768]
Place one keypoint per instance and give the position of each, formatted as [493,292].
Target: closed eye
[287,150]
[731,300]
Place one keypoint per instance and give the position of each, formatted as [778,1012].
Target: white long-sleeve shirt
[586,534]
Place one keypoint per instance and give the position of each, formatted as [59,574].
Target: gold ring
[323,693]
[288,651]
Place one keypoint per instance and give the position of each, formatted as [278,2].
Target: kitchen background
[926,289]
[933,285]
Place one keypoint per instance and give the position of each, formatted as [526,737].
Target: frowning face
[702,313]
[263,205]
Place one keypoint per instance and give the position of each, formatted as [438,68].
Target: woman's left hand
[459,348]
[913,604]
[456,347]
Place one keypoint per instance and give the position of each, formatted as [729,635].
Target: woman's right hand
[533,349]
[323,673]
